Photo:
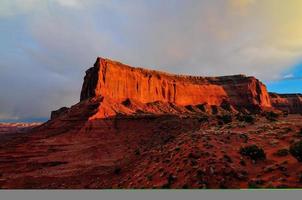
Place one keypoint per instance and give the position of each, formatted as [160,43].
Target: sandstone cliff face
[292,103]
[120,82]
[56,113]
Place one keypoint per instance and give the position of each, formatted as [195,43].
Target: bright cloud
[53,42]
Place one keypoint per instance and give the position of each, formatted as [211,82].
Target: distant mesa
[291,103]
[122,89]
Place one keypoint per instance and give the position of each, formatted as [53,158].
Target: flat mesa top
[275,95]
[149,72]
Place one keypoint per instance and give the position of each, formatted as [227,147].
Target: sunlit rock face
[120,82]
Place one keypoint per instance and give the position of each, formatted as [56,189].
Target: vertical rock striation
[120,82]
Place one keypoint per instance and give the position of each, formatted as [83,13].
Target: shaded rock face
[90,82]
[291,103]
[56,113]
[120,82]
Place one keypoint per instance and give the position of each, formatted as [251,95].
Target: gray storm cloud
[50,44]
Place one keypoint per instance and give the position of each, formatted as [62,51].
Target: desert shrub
[127,102]
[195,154]
[177,148]
[214,110]
[167,138]
[254,184]
[137,152]
[296,150]
[190,108]
[149,177]
[300,177]
[242,162]
[253,152]
[226,105]
[285,113]
[170,179]
[227,158]
[246,118]
[299,133]
[282,152]
[200,174]
[203,118]
[271,116]
[225,119]
[185,186]
[117,170]
[244,137]
[287,130]
[282,168]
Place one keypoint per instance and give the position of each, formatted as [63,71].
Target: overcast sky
[46,45]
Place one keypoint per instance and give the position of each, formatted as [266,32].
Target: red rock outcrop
[291,103]
[56,113]
[120,82]
[136,128]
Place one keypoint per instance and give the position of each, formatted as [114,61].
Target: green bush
[170,179]
[226,105]
[296,150]
[177,148]
[282,152]
[137,152]
[253,152]
[227,158]
[244,137]
[271,116]
[285,113]
[246,118]
[214,110]
[225,119]
[242,162]
[117,170]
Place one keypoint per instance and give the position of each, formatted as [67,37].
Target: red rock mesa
[120,82]
[117,88]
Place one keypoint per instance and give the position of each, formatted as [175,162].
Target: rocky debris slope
[164,151]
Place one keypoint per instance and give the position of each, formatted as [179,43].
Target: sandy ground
[164,151]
